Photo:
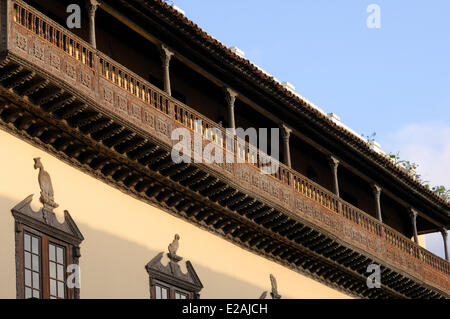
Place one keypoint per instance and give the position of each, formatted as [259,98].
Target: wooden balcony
[36,51]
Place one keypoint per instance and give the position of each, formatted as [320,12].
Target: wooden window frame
[172,289]
[172,277]
[31,268]
[44,224]
[45,239]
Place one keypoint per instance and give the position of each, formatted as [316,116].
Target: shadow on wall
[7,248]
[114,267]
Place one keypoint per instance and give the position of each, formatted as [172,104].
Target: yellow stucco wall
[122,234]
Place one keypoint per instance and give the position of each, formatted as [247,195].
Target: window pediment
[171,274]
[45,221]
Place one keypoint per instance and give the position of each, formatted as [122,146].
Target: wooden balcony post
[230,97]
[334,163]
[166,55]
[92,6]
[445,237]
[377,193]
[285,134]
[413,216]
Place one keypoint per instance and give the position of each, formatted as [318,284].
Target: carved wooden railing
[132,83]
[55,34]
[114,83]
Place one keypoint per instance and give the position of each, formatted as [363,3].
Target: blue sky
[394,80]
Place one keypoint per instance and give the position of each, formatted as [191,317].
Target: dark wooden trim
[39,224]
[171,277]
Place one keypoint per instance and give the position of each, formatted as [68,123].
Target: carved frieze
[86,79]
[313,212]
[226,166]
[108,95]
[39,50]
[163,126]
[149,119]
[136,111]
[275,190]
[22,42]
[71,71]
[264,184]
[285,197]
[245,175]
[121,104]
[55,60]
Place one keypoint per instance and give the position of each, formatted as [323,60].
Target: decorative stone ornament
[173,247]
[171,274]
[44,224]
[46,221]
[45,183]
[274,293]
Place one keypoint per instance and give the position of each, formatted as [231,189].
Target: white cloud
[428,145]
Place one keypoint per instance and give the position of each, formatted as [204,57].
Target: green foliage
[370,138]
[411,167]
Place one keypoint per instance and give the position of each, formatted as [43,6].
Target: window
[45,249]
[44,261]
[180,295]
[57,265]
[32,257]
[161,292]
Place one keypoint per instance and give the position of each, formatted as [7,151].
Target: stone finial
[274,292]
[173,247]
[45,183]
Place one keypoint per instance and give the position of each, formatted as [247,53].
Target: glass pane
[59,255]
[183,297]
[60,289]
[51,297]
[52,270]
[60,272]
[35,293]
[158,292]
[27,260]
[27,277]
[35,280]
[35,245]
[163,293]
[27,242]
[27,293]
[35,263]
[51,252]
[177,295]
[52,287]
